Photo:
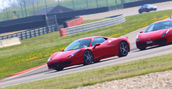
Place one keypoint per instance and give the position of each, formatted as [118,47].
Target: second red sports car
[158,33]
[89,50]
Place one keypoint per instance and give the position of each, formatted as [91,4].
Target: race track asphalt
[126,11]
[135,54]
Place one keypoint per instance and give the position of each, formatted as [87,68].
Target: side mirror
[141,31]
[98,44]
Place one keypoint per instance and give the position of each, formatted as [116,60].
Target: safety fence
[31,33]
[92,26]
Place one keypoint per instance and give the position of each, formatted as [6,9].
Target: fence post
[87,3]
[25,7]
[107,3]
[45,1]
[97,3]
[73,4]
[56,23]
[7,14]
[122,3]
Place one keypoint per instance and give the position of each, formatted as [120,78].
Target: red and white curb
[22,72]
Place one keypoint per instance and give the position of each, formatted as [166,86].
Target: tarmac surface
[126,11]
[135,54]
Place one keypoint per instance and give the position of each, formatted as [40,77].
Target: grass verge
[89,21]
[35,51]
[119,71]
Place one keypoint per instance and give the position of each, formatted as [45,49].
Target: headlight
[49,59]
[137,38]
[164,33]
[73,54]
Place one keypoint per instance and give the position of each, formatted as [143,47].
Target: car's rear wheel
[88,57]
[123,49]
[96,61]
[140,12]
[142,48]
[59,69]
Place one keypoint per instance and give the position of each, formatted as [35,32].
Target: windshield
[159,26]
[78,44]
[149,5]
[146,6]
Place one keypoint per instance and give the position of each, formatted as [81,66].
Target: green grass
[114,72]
[89,21]
[35,51]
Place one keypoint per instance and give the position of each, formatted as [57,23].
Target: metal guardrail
[71,30]
[95,25]
[31,33]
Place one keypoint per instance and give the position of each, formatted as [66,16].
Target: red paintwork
[154,36]
[75,22]
[108,48]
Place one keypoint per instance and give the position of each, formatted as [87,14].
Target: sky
[6,3]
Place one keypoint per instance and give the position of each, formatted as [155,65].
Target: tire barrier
[75,22]
[31,33]
[94,25]
[62,32]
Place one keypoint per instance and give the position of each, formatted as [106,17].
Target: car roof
[163,21]
[91,37]
[146,4]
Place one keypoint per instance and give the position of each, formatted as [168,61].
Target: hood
[152,35]
[62,55]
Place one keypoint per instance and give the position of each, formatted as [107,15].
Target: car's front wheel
[123,49]
[88,57]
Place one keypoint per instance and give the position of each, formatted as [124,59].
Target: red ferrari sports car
[158,33]
[89,50]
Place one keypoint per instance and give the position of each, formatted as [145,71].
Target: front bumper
[58,64]
[155,42]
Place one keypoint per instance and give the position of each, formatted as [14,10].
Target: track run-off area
[135,54]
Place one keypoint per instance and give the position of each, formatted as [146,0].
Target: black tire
[96,61]
[142,48]
[163,44]
[59,69]
[140,12]
[88,57]
[123,49]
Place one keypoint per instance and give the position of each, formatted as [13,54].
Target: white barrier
[95,25]
[9,42]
